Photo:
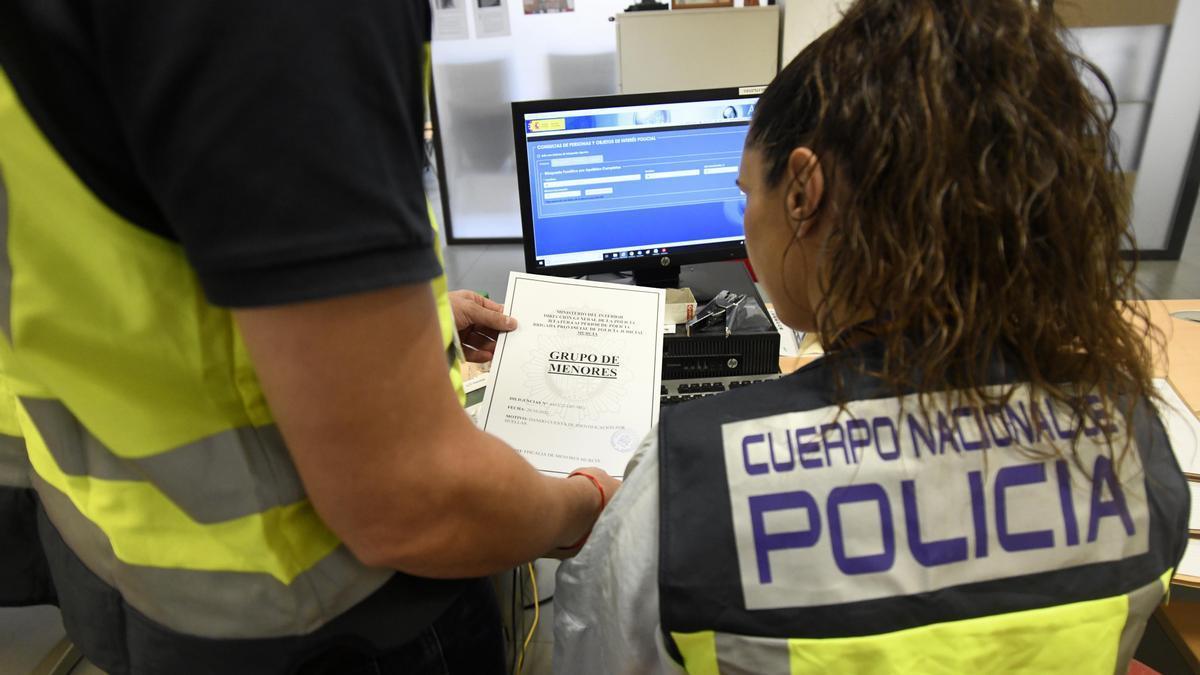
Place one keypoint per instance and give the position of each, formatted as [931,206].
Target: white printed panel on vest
[882,501]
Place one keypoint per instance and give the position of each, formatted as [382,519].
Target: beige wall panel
[805,21]
[697,48]
[1093,13]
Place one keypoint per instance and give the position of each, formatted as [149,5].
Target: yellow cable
[536,615]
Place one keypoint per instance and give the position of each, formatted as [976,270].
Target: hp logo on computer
[666,261]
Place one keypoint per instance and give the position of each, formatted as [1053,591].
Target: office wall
[547,56]
[1094,13]
[1162,201]
[1148,50]
[805,20]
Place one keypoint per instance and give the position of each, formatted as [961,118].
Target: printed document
[1182,428]
[577,384]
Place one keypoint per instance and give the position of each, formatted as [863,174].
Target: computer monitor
[639,182]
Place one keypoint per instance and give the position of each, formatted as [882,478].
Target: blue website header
[733,111]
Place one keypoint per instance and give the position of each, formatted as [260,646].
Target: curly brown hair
[982,210]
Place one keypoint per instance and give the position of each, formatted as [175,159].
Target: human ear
[806,187]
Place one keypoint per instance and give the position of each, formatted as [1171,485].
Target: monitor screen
[627,182]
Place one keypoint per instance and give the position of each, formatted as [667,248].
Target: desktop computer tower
[751,350]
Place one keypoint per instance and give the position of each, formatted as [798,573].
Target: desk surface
[1180,364]
[1181,361]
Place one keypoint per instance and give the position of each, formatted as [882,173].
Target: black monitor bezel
[734,251]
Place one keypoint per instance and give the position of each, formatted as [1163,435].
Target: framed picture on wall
[549,6]
[700,4]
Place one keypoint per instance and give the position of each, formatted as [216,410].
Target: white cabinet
[687,49]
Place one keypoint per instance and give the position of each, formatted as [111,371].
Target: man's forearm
[472,509]
[393,465]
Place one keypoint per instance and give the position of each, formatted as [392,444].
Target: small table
[1179,362]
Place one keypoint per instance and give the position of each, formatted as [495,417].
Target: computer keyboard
[678,391]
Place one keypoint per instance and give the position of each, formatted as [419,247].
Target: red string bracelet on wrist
[603,502]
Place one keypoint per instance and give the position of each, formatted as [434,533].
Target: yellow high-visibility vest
[152,447]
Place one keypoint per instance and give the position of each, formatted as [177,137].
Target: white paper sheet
[1190,565]
[1194,516]
[450,19]
[789,340]
[476,383]
[491,18]
[577,384]
[1182,427]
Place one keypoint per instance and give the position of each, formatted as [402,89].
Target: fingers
[461,304]
[477,357]
[464,296]
[489,304]
[476,349]
[488,318]
[479,322]
[473,312]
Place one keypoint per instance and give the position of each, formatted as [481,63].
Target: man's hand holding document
[578,383]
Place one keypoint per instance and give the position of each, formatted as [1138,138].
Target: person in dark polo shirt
[226,329]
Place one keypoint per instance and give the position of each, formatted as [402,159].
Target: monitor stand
[658,277]
[705,279]
[751,350]
[709,353]
[708,279]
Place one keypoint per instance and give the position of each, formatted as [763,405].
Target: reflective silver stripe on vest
[1142,604]
[219,605]
[743,655]
[5,264]
[14,462]
[235,473]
